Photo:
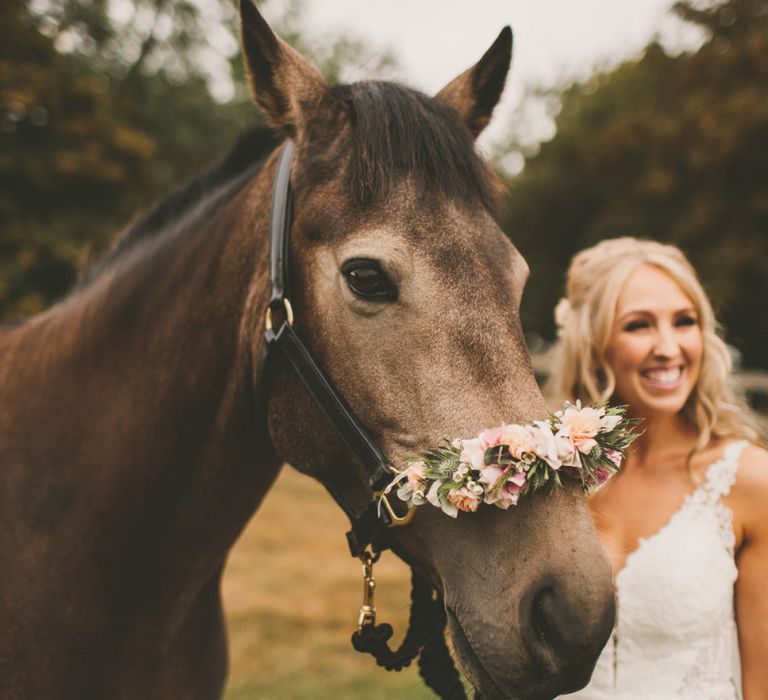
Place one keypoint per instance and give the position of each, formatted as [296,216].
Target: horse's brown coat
[130,448]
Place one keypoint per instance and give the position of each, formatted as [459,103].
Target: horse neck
[146,378]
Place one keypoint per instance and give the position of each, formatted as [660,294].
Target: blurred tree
[104,107]
[66,154]
[668,147]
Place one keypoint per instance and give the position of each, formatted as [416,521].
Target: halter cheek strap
[280,337]
[425,629]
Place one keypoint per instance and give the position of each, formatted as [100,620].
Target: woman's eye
[367,280]
[635,325]
[686,321]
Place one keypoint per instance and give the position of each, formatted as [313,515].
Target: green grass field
[292,595]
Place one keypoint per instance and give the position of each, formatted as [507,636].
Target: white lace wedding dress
[675,634]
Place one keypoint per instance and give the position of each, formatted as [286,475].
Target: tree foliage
[673,148]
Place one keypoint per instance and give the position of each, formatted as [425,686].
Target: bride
[685,524]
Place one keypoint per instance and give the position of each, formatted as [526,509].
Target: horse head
[408,293]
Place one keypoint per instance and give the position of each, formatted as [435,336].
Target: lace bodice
[675,634]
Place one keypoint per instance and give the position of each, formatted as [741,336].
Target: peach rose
[415,475]
[518,438]
[581,425]
[464,499]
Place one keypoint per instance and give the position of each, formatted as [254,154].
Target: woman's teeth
[664,376]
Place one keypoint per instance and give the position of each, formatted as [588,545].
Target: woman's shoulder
[753,467]
[750,489]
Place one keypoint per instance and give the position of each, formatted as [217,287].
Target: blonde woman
[685,524]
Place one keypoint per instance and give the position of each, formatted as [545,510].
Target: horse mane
[205,193]
[399,132]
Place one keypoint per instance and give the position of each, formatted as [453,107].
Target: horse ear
[283,83]
[476,91]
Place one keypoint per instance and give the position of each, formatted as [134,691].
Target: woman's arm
[751,508]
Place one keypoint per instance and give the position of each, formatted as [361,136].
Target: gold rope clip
[368,608]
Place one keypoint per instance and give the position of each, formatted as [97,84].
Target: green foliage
[673,148]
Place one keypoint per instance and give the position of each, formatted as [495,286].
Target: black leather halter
[281,337]
[427,620]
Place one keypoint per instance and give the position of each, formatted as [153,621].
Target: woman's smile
[663,378]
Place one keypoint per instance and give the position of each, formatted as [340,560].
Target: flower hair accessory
[502,464]
[562,310]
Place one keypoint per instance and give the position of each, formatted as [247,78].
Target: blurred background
[620,118]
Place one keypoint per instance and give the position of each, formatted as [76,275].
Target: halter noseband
[281,337]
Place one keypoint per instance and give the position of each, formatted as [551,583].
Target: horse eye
[367,280]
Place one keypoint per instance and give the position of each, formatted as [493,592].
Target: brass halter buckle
[367,616]
[395,519]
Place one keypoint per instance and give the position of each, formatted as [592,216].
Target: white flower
[460,473]
[567,452]
[434,499]
[502,499]
[473,453]
[608,423]
[476,489]
[544,445]
[562,311]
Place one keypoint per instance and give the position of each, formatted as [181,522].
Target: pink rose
[614,456]
[490,475]
[601,476]
[491,437]
[509,493]
[515,482]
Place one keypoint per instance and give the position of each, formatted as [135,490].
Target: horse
[135,444]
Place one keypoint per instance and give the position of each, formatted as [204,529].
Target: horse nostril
[541,623]
[543,639]
[560,633]
[539,635]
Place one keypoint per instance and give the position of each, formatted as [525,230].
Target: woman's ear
[475,92]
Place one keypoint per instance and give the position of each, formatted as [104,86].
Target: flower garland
[501,464]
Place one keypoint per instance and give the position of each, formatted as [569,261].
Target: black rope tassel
[427,619]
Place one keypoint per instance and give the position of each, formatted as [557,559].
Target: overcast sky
[435,40]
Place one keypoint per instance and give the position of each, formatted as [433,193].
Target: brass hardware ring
[288,315]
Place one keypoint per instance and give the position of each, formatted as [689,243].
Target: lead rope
[425,635]
[438,670]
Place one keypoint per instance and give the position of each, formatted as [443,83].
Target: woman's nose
[666,345]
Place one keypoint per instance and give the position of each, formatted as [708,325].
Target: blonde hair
[586,317]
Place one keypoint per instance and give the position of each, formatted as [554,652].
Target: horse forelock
[393,133]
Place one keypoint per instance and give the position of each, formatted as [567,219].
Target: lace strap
[722,473]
